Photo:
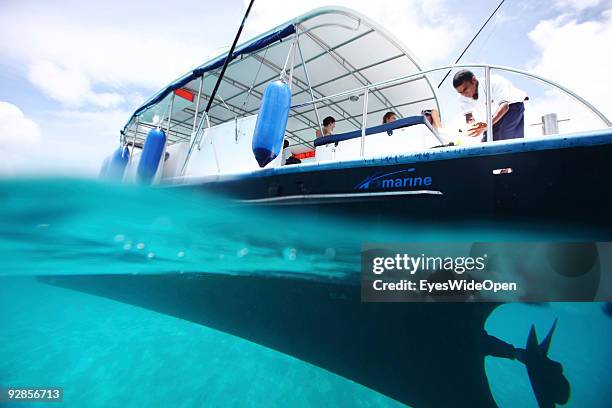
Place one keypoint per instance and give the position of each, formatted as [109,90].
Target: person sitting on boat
[288,157]
[507,106]
[389,117]
[329,123]
[433,116]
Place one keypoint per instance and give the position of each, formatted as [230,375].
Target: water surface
[105,353]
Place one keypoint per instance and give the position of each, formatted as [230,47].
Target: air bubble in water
[290,254]
[330,252]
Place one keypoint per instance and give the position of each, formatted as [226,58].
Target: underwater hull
[569,185]
[421,354]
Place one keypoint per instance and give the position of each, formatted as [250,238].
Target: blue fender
[118,163]
[151,155]
[271,122]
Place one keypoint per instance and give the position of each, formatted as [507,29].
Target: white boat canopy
[335,49]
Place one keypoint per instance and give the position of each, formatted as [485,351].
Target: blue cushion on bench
[396,124]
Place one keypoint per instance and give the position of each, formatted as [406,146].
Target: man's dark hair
[388,116]
[285,144]
[328,121]
[462,76]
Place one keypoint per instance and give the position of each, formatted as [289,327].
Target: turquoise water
[105,353]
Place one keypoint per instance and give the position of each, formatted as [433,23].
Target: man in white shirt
[506,104]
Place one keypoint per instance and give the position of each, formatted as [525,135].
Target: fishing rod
[473,39]
[228,59]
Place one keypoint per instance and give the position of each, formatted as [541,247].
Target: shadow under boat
[421,354]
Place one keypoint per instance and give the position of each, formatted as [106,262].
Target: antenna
[473,39]
[228,58]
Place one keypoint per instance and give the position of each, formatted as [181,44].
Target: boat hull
[558,182]
[421,354]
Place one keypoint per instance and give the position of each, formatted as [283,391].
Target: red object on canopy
[185,94]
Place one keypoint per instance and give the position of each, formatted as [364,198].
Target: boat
[559,177]
[337,62]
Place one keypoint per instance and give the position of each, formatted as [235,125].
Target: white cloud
[68,86]
[80,52]
[18,135]
[72,142]
[75,141]
[64,85]
[105,99]
[577,5]
[577,55]
[16,129]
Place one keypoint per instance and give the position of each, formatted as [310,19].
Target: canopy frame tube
[309,86]
[396,80]
[364,121]
[488,95]
[197,107]
[348,67]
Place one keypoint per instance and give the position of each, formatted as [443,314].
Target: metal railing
[198,133]
[421,74]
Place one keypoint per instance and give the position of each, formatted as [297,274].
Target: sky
[73,72]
